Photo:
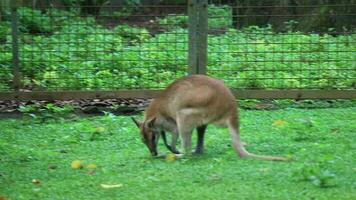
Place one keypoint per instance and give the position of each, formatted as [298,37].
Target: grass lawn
[35,159]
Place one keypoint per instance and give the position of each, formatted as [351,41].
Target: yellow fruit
[36,181]
[91,166]
[171,158]
[99,130]
[76,164]
[279,123]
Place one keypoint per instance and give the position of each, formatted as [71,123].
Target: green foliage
[5,31]
[254,53]
[303,129]
[47,113]
[61,18]
[76,3]
[174,21]
[132,35]
[5,65]
[317,174]
[220,17]
[33,21]
[81,54]
[291,25]
[127,9]
[70,2]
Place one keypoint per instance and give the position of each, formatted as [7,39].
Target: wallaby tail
[240,149]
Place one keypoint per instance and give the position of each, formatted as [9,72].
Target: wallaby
[193,102]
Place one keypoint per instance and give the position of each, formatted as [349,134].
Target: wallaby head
[149,135]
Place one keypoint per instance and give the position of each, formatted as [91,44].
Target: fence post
[192,36]
[15,47]
[202,36]
[197,30]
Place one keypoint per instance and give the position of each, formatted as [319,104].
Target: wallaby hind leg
[186,135]
[200,140]
[185,131]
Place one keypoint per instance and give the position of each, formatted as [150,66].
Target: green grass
[321,142]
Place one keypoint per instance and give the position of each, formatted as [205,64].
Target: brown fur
[193,102]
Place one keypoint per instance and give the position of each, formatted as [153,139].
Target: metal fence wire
[250,45]
[65,49]
[265,46]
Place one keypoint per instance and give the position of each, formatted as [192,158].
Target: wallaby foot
[198,151]
[200,140]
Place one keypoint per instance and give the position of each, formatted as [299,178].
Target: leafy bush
[70,2]
[127,9]
[33,21]
[132,35]
[48,112]
[5,31]
[82,54]
[220,17]
[5,66]
[173,21]
[259,58]
[60,18]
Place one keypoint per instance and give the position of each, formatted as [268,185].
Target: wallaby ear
[151,123]
[138,123]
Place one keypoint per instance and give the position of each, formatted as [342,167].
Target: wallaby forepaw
[179,155]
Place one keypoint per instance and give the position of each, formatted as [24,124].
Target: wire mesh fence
[114,48]
[5,50]
[264,46]
[259,45]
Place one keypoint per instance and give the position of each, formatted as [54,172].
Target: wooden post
[15,47]
[202,36]
[197,30]
[192,36]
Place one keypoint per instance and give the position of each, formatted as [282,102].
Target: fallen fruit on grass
[91,166]
[76,164]
[279,123]
[107,186]
[171,157]
[36,181]
[99,130]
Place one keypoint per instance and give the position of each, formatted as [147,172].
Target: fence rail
[124,94]
[120,51]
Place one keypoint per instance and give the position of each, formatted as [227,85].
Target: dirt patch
[94,106]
